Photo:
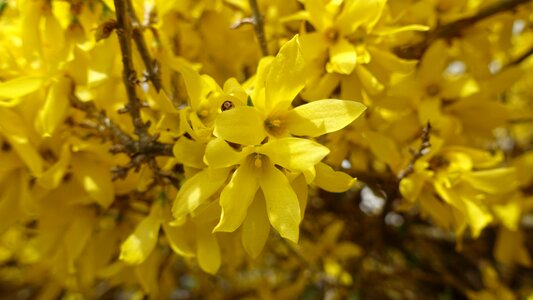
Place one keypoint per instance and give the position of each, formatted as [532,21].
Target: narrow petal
[331,180]
[19,87]
[317,16]
[495,181]
[433,62]
[142,241]
[286,77]
[342,58]
[282,203]
[180,238]
[394,30]
[54,175]
[208,250]
[218,154]
[15,130]
[323,116]
[95,179]
[55,107]
[256,227]
[391,62]
[189,152]
[360,12]
[294,153]
[236,197]
[242,125]
[197,189]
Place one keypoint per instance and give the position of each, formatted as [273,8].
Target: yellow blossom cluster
[149,147]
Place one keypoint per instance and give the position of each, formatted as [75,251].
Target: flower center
[274,126]
[332,34]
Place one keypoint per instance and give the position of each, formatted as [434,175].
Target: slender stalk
[259,27]
[138,38]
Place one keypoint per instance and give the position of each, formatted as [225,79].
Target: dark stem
[259,27]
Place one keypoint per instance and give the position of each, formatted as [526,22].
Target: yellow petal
[495,181]
[384,148]
[241,125]
[394,30]
[95,178]
[196,190]
[357,13]
[317,16]
[219,154]
[256,227]
[19,87]
[331,180]
[286,77]
[189,152]
[510,248]
[55,107]
[236,197]
[299,185]
[342,58]
[142,241]
[15,130]
[180,238]
[196,88]
[323,116]
[54,175]
[294,153]
[10,198]
[391,62]
[77,236]
[208,251]
[282,203]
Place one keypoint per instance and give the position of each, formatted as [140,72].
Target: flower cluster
[149,147]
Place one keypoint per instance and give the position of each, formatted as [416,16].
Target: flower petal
[197,189]
[208,250]
[286,77]
[218,154]
[317,16]
[142,241]
[19,87]
[294,153]
[342,58]
[360,12]
[282,203]
[323,116]
[236,197]
[189,152]
[95,179]
[331,180]
[242,125]
[256,227]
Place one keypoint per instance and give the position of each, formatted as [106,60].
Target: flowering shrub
[296,149]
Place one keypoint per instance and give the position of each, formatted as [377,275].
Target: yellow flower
[257,169]
[277,83]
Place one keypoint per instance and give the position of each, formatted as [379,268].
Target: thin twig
[521,58]
[129,76]
[138,38]
[123,142]
[422,150]
[259,27]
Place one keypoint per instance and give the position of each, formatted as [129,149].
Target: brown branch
[129,76]
[520,59]
[456,28]
[259,27]
[123,142]
[138,38]
[422,150]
